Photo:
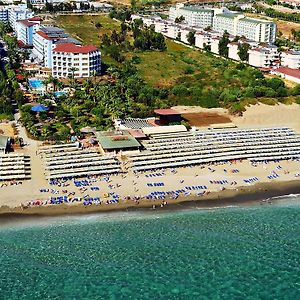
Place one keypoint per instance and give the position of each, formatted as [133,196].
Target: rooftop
[255,21]
[196,9]
[26,23]
[289,72]
[116,140]
[166,112]
[228,15]
[72,48]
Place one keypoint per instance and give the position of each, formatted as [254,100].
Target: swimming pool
[59,94]
[35,83]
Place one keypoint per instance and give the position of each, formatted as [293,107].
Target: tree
[98,25]
[179,19]
[224,41]
[243,51]
[191,37]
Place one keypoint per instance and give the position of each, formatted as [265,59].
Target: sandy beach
[161,187]
[217,182]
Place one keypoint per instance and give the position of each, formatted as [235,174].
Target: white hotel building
[252,29]
[193,15]
[83,61]
[20,12]
[26,29]
[4,14]
[222,19]
[266,57]
[291,59]
[45,40]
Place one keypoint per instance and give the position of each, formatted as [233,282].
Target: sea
[235,252]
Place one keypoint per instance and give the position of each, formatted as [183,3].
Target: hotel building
[26,29]
[291,59]
[266,57]
[193,16]
[45,40]
[80,61]
[20,12]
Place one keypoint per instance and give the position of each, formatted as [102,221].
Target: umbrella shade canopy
[87,129]
[39,107]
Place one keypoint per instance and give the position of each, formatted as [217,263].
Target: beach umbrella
[39,108]
[88,129]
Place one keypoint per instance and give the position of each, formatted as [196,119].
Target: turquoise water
[229,253]
[59,94]
[35,83]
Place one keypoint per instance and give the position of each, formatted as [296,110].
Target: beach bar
[167,116]
[115,141]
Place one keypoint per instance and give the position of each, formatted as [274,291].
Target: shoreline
[243,195]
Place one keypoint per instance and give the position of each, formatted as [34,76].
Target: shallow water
[229,253]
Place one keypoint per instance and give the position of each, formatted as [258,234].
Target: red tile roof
[166,112]
[26,23]
[44,35]
[72,48]
[290,72]
[35,19]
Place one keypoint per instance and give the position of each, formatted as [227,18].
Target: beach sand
[124,185]
[130,185]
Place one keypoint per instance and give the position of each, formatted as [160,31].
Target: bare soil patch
[205,119]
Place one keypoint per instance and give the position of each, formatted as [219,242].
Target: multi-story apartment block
[20,12]
[45,40]
[226,21]
[38,3]
[78,61]
[193,15]
[4,14]
[265,57]
[291,59]
[202,39]
[214,45]
[252,29]
[233,50]
[26,29]
[256,30]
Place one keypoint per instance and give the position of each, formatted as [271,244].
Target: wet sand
[245,196]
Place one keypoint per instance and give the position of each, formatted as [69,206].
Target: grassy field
[157,68]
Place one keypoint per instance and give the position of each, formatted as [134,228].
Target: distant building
[4,14]
[45,40]
[80,61]
[25,30]
[233,50]
[19,12]
[38,3]
[214,45]
[202,39]
[238,25]
[264,57]
[291,59]
[287,73]
[193,15]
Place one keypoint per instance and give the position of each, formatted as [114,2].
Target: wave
[285,196]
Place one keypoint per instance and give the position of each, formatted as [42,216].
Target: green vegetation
[139,78]
[8,84]
[272,13]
